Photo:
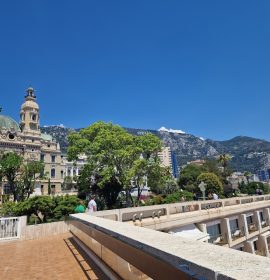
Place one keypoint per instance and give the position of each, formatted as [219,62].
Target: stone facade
[27,140]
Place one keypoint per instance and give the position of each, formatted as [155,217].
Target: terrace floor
[51,258]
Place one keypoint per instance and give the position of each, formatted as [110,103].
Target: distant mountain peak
[178,131]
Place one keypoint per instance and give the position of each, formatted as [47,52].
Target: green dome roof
[8,123]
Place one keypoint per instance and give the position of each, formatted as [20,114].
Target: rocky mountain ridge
[248,154]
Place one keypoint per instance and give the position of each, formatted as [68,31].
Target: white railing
[10,228]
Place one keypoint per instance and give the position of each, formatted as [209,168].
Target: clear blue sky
[199,66]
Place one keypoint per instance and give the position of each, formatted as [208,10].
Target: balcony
[252,227]
[237,233]
[220,239]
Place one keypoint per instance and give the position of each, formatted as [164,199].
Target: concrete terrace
[51,258]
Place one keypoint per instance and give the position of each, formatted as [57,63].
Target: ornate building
[26,139]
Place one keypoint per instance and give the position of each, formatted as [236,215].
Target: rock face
[248,154]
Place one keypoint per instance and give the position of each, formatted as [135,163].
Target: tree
[45,208]
[114,155]
[188,176]
[223,159]
[251,188]
[68,183]
[30,172]
[247,175]
[10,168]
[49,187]
[213,183]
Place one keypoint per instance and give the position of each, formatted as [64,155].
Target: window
[53,173]
[53,189]
[42,189]
[234,225]
[53,158]
[255,245]
[214,230]
[62,174]
[34,117]
[262,217]
[11,136]
[42,157]
[249,220]
[48,145]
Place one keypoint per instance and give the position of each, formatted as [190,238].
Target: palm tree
[223,159]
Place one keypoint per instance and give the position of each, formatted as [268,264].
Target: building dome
[8,123]
[30,104]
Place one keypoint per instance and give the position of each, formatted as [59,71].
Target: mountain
[248,154]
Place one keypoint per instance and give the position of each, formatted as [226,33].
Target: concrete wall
[201,260]
[43,230]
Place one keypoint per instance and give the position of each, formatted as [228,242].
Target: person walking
[92,206]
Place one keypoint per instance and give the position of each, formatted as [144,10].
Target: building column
[257,220]
[226,230]
[262,245]
[249,247]
[201,227]
[266,213]
[243,224]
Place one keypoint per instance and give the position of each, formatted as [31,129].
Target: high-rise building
[168,159]
[165,157]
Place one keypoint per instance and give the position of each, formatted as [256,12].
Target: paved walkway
[52,258]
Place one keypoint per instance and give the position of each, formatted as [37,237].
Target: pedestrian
[92,206]
[80,208]
[215,196]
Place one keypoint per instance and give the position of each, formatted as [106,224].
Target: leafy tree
[114,155]
[30,173]
[68,183]
[45,208]
[213,183]
[10,164]
[64,205]
[189,174]
[41,206]
[251,187]
[211,165]
[247,175]
[163,182]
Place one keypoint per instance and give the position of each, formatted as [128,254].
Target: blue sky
[199,66]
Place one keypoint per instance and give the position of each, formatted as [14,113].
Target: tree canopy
[21,176]
[213,183]
[116,158]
